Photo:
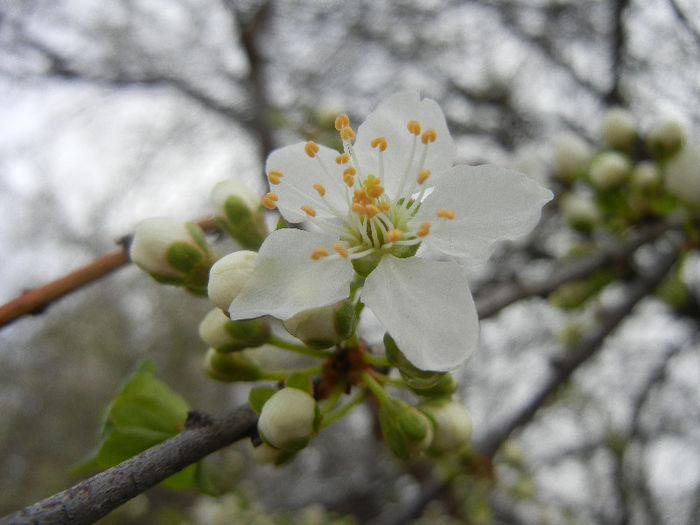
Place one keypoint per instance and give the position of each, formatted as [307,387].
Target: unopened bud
[609,169]
[325,326]
[645,174]
[682,176]
[172,252]
[289,419]
[406,429]
[453,426]
[665,139]
[619,129]
[264,454]
[239,212]
[228,276]
[224,335]
[417,379]
[580,210]
[231,367]
[572,158]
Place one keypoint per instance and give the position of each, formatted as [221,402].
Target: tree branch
[95,497]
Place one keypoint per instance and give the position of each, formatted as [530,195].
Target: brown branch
[36,300]
[95,497]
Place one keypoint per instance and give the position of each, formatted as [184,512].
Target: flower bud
[325,326]
[224,335]
[264,454]
[645,174]
[665,139]
[453,426]
[580,210]
[609,169]
[682,176]
[236,366]
[172,252]
[406,430]
[239,212]
[289,419]
[619,130]
[572,157]
[228,276]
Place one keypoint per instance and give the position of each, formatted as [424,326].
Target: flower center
[375,223]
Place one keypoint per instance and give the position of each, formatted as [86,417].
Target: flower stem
[385,379]
[335,415]
[281,375]
[375,387]
[328,403]
[375,360]
[299,349]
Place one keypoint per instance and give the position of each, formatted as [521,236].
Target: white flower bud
[572,157]
[233,188]
[645,174]
[152,238]
[322,327]
[453,426]
[219,332]
[609,169]
[665,138]
[288,419]
[239,212]
[264,454]
[683,174]
[228,276]
[580,210]
[619,129]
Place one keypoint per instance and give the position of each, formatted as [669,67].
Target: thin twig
[95,497]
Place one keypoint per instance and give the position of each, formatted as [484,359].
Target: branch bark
[95,497]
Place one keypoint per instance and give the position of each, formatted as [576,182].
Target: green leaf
[300,382]
[259,395]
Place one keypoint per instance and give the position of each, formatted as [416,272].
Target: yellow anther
[320,189]
[342,121]
[347,133]
[341,250]
[349,180]
[373,186]
[424,229]
[384,206]
[394,235]
[413,127]
[349,171]
[379,141]
[446,213]
[342,158]
[428,136]
[358,208]
[269,201]
[311,148]
[360,196]
[423,176]
[274,176]
[371,210]
[319,252]
[309,210]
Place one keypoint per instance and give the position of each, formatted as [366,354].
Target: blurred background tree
[116,111]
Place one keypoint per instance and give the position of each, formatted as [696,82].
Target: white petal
[299,174]
[389,120]
[287,281]
[427,308]
[490,204]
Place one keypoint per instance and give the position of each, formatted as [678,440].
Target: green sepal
[259,395]
[365,265]
[402,251]
[300,382]
[237,211]
[183,256]
[443,389]
[232,367]
[198,236]
[249,333]
[417,380]
[402,426]
[168,279]
[345,320]
[285,456]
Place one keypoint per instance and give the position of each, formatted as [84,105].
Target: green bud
[444,388]
[665,139]
[645,174]
[228,276]
[452,425]
[325,326]
[682,177]
[580,210]
[239,212]
[231,367]
[417,379]
[572,157]
[609,169]
[288,419]
[172,252]
[224,335]
[619,130]
[406,430]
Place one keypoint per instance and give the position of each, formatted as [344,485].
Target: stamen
[380,142]
[394,235]
[423,176]
[428,136]
[373,186]
[311,148]
[320,189]
[347,133]
[446,213]
[269,201]
[318,253]
[424,229]
[274,176]
[413,127]
[349,176]
[371,210]
[341,250]
[358,208]
[384,206]
[342,121]
[310,211]
[343,158]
